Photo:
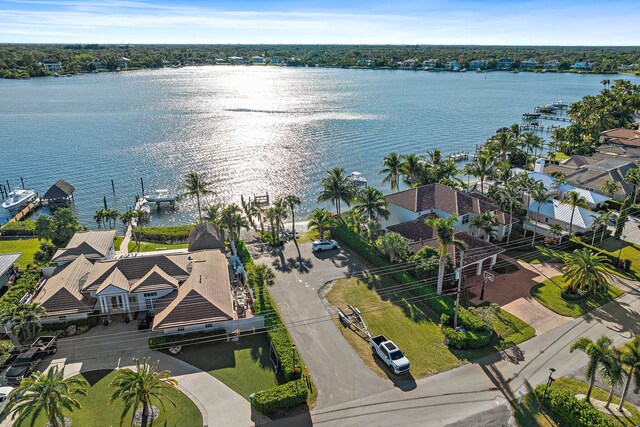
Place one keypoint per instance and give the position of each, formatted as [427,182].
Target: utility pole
[455,318]
[484,281]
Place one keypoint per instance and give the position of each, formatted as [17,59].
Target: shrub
[282,397]
[26,283]
[6,348]
[45,253]
[467,339]
[571,411]
[166,341]
[169,234]
[19,228]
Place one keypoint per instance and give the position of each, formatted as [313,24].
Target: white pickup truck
[390,354]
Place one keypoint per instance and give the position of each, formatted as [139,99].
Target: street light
[293,356]
[549,381]
[620,251]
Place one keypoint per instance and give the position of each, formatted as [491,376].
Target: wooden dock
[558,119]
[459,156]
[26,211]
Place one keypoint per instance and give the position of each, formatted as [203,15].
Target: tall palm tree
[598,353]
[336,188]
[586,270]
[355,220]
[631,358]
[632,176]
[575,200]
[510,197]
[22,320]
[485,222]
[540,195]
[212,213]
[392,170]
[232,221]
[393,244]
[411,168]
[610,188]
[292,201]
[372,203]
[320,220]
[612,371]
[530,142]
[98,217]
[49,393]
[480,168]
[196,184]
[257,211]
[142,386]
[445,231]
[502,144]
[281,210]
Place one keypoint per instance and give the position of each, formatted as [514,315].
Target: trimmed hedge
[169,234]
[624,263]
[476,334]
[571,411]
[166,341]
[26,283]
[19,228]
[281,397]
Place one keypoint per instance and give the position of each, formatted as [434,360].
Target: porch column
[125,302]
[479,268]
[103,305]
[494,258]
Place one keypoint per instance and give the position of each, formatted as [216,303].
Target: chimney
[539,165]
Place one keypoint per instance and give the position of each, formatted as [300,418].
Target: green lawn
[531,256]
[548,294]
[245,367]
[28,247]
[629,251]
[152,246]
[117,241]
[527,414]
[96,411]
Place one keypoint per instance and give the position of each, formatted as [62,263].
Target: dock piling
[142,185]
[113,187]
[8,185]
[104,199]
[22,182]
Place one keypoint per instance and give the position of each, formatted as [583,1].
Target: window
[464,219]
[62,318]
[150,294]
[180,329]
[546,220]
[132,298]
[209,325]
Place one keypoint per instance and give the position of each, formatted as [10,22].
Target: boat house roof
[60,190]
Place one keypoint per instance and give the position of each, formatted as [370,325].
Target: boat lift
[354,319]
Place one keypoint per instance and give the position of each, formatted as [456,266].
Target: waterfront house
[620,136]
[430,63]
[504,63]
[552,64]
[59,194]
[123,62]
[237,60]
[478,64]
[96,64]
[94,245]
[452,65]
[7,270]
[582,65]
[257,60]
[276,60]
[556,212]
[51,66]
[408,209]
[528,63]
[407,64]
[590,172]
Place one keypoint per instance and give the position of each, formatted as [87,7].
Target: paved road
[474,394]
[336,369]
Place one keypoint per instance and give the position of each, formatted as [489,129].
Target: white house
[257,59]
[124,62]
[556,212]
[453,65]
[582,65]
[51,66]
[528,63]
[407,64]
[478,64]
[552,64]
[504,63]
[7,268]
[430,63]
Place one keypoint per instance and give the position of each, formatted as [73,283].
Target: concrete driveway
[338,372]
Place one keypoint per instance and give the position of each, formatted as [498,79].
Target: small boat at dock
[560,104]
[160,195]
[358,180]
[18,199]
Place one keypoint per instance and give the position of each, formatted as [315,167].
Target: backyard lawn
[629,251]
[96,411]
[548,293]
[527,414]
[28,247]
[152,246]
[117,241]
[245,366]
[532,256]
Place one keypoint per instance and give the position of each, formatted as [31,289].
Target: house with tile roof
[95,245]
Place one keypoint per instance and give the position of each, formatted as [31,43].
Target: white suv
[324,245]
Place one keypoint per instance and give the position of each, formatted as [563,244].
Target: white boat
[358,180]
[560,104]
[161,195]
[18,199]
[146,208]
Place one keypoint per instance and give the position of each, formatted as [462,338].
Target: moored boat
[18,199]
[160,195]
[358,180]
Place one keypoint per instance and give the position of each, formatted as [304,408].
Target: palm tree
[630,357]
[212,213]
[610,188]
[292,201]
[485,222]
[575,200]
[372,203]
[502,144]
[555,230]
[257,211]
[392,170]
[98,217]
[22,320]
[586,270]
[355,220]
[196,184]
[509,195]
[336,188]
[272,215]
[232,221]
[633,177]
[411,168]
[480,168]
[320,220]
[598,353]
[540,195]
[393,244]
[141,387]
[46,392]
[612,371]
[530,142]
[445,232]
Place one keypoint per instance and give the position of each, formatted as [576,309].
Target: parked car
[324,245]
[4,393]
[146,321]
[26,361]
[390,355]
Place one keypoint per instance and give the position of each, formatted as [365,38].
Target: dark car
[146,321]
[28,359]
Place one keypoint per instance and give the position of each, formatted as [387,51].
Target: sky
[485,22]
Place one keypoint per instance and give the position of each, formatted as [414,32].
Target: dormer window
[464,219]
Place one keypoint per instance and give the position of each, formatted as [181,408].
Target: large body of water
[251,129]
